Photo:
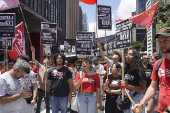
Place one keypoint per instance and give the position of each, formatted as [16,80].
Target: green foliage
[162,15]
[137,45]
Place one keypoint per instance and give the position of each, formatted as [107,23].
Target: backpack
[157,69]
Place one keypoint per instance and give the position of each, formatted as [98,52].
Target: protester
[162,76]
[40,83]
[11,63]
[101,72]
[29,82]
[88,83]
[154,101]
[34,68]
[148,69]
[11,92]
[61,84]
[74,71]
[112,87]
[117,56]
[134,77]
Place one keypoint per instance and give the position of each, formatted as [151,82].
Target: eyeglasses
[129,55]
[59,58]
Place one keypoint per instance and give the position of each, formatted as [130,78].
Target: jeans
[57,102]
[87,102]
[40,96]
[138,97]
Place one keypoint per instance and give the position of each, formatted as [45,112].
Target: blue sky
[120,9]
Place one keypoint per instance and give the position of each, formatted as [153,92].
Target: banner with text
[48,33]
[3,44]
[7,25]
[123,39]
[104,17]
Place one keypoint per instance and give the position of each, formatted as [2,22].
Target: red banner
[91,2]
[18,42]
[145,18]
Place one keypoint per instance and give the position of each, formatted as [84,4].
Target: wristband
[34,97]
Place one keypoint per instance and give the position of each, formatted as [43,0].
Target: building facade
[85,23]
[72,18]
[80,19]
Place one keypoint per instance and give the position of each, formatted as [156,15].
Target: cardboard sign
[7,25]
[48,33]
[3,44]
[104,17]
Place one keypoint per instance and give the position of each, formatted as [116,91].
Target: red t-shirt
[89,83]
[3,71]
[34,69]
[164,78]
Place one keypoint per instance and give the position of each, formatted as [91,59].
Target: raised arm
[33,55]
[102,53]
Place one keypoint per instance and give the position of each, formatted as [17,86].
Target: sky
[120,9]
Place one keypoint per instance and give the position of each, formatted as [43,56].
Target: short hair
[12,60]
[58,54]
[22,65]
[157,56]
[24,57]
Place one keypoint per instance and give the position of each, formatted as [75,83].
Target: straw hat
[116,51]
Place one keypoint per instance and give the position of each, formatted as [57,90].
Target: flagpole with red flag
[90,2]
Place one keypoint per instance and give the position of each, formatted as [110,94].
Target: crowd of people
[24,83]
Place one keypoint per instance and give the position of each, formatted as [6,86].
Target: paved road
[43,110]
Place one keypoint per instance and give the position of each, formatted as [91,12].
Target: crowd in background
[26,82]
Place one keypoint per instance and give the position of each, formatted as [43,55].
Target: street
[43,110]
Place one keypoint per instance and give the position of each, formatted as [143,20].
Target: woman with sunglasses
[88,83]
[134,77]
[111,87]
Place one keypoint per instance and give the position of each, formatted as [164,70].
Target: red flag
[91,2]
[8,4]
[18,42]
[145,18]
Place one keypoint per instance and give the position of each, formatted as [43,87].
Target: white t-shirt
[100,69]
[28,80]
[10,86]
[74,72]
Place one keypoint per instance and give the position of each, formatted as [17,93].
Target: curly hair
[136,63]
[63,57]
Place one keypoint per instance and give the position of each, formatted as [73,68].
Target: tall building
[80,19]
[72,18]
[140,6]
[37,11]
[85,23]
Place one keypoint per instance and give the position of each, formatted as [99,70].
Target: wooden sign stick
[106,53]
[46,75]
[6,56]
[123,74]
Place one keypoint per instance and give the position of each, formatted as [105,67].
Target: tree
[162,15]
[137,45]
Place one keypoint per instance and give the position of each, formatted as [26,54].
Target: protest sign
[3,44]
[7,25]
[104,17]
[48,33]
[123,39]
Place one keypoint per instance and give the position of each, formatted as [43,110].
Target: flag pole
[6,56]
[143,40]
[25,24]
[46,69]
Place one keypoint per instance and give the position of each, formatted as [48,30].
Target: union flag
[18,42]
[91,2]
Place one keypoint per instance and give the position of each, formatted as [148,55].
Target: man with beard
[101,72]
[163,76]
[61,84]
[11,91]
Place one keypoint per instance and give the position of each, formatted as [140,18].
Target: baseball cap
[164,31]
[94,59]
[116,51]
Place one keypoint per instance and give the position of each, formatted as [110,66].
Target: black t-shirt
[133,79]
[148,72]
[59,85]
